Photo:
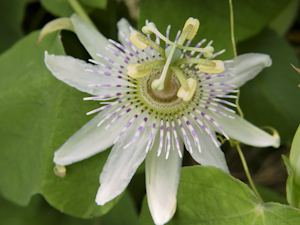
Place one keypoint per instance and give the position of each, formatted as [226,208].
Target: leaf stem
[247,172]
[80,11]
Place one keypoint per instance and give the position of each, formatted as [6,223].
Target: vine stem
[80,11]
[247,172]
[238,147]
[232,28]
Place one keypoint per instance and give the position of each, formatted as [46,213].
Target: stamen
[197,46]
[186,95]
[143,42]
[218,68]
[150,28]
[208,63]
[194,24]
[141,70]
[137,41]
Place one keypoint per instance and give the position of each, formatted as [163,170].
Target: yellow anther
[136,41]
[185,94]
[60,170]
[195,23]
[135,71]
[218,68]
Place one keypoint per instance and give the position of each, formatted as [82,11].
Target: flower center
[165,101]
[162,87]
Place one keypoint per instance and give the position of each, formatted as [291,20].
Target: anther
[195,23]
[185,94]
[136,41]
[142,42]
[218,68]
[135,72]
[141,70]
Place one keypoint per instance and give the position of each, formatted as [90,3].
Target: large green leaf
[11,15]
[36,213]
[38,114]
[62,8]
[207,195]
[249,18]
[293,167]
[39,212]
[270,99]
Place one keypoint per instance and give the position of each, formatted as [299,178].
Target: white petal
[122,163]
[211,155]
[123,26]
[87,141]
[245,132]
[245,67]
[162,179]
[93,41]
[72,72]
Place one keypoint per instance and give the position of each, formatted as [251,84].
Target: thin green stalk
[232,28]
[234,53]
[238,105]
[247,172]
[80,11]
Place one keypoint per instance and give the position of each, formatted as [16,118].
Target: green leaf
[36,213]
[269,99]
[11,15]
[62,8]
[123,212]
[293,167]
[295,156]
[39,113]
[268,195]
[40,212]
[250,18]
[284,19]
[207,195]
